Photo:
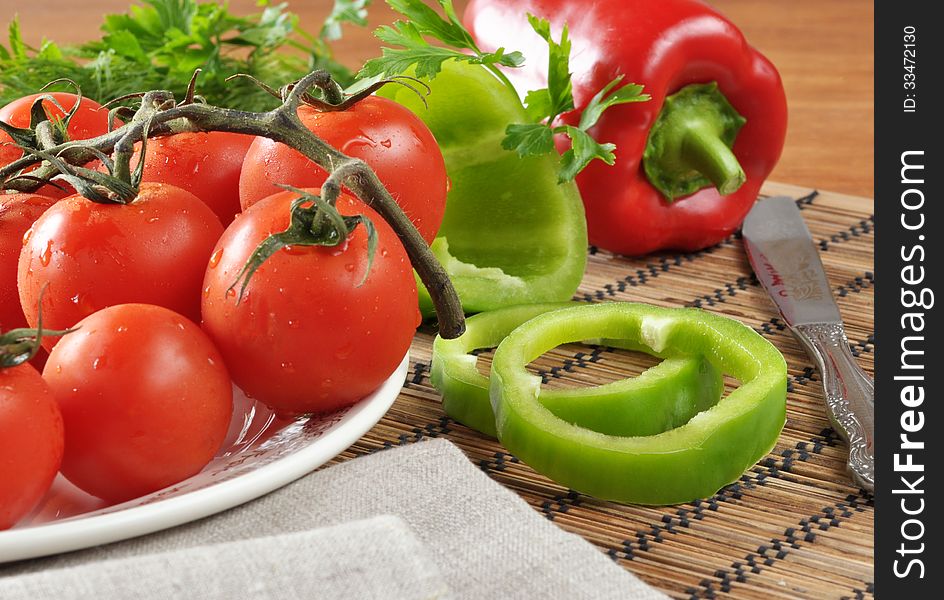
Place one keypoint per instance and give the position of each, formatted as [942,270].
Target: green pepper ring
[661,398]
[691,461]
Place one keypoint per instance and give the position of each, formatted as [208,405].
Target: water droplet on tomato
[386,143]
[211,361]
[121,329]
[153,219]
[215,259]
[98,362]
[288,367]
[349,267]
[294,250]
[58,368]
[383,252]
[352,146]
[46,256]
[231,293]
[180,326]
[27,235]
[206,292]
[326,383]
[76,299]
[294,324]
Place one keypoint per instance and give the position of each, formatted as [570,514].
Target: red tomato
[388,137]
[305,338]
[89,121]
[145,398]
[90,256]
[205,164]
[17,214]
[31,442]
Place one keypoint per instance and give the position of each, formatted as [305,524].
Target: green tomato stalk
[160,115]
[19,346]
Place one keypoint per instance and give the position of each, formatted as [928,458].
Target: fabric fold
[370,559]
[485,540]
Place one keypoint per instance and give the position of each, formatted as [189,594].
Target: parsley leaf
[344,11]
[529,139]
[559,91]
[630,92]
[159,43]
[415,52]
[583,150]
[426,20]
[411,51]
[544,106]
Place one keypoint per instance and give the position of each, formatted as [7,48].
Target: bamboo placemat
[793,526]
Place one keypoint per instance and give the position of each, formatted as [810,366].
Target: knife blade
[784,258]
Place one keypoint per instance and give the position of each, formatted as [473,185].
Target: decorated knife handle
[849,395]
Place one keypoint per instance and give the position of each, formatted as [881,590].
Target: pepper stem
[689,147]
[707,154]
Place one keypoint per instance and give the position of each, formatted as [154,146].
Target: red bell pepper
[675,152]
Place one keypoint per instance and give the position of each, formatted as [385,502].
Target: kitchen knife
[781,251]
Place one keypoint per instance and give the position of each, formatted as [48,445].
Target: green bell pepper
[691,461]
[661,398]
[511,234]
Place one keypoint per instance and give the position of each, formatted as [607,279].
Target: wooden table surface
[824,51]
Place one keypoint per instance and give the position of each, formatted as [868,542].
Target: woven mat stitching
[769,468]
[645,275]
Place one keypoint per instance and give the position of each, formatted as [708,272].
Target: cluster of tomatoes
[139,395]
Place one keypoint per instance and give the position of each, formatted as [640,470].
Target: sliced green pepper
[661,398]
[691,461]
[511,234]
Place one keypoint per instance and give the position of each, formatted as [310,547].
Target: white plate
[260,454]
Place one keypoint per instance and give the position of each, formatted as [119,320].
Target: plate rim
[77,533]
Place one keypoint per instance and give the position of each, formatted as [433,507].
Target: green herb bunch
[158,44]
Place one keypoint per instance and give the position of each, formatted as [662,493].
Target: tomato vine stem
[160,115]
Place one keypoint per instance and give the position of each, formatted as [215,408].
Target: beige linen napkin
[373,559]
[485,540]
